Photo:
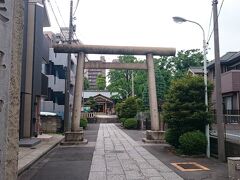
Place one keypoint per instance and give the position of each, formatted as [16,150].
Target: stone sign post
[11,33]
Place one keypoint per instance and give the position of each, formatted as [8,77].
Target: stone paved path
[119,157]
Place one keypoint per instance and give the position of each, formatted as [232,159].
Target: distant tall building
[92,74]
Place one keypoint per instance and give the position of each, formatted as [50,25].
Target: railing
[87,115]
[230,116]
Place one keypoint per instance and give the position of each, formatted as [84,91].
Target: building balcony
[231,81]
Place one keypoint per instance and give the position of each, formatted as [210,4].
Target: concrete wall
[51,124]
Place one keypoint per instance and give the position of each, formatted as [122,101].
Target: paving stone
[129,166]
[123,156]
[113,163]
[155,163]
[115,170]
[171,175]
[156,178]
[144,165]
[150,172]
[163,169]
[98,167]
[97,176]
[116,177]
[134,175]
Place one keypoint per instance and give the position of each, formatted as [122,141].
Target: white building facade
[55,70]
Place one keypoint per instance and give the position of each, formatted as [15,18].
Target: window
[228,102]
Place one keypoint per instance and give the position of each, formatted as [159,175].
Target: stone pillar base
[74,138]
[154,137]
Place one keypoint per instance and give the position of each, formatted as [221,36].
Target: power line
[210,23]
[56,19]
[76,7]
[60,13]
[215,21]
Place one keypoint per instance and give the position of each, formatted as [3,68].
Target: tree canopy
[166,69]
[101,82]
[85,84]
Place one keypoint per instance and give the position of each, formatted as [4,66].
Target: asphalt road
[63,162]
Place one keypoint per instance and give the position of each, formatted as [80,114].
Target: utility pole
[219,105]
[67,119]
[132,84]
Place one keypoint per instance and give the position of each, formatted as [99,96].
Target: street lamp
[181,20]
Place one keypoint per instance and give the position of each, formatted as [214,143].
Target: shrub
[119,109]
[193,143]
[172,136]
[184,108]
[83,123]
[129,107]
[122,120]
[130,123]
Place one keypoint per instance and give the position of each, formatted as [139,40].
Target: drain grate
[189,166]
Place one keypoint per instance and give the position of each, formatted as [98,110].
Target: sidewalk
[117,156]
[28,155]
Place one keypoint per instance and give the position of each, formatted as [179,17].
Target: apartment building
[55,70]
[230,80]
[91,74]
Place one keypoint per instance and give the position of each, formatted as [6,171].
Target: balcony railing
[230,116]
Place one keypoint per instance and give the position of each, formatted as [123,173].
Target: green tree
[85,84]
[121,79]
[91,103]
[101,82]
[184,108]
[166,69]
[185,59]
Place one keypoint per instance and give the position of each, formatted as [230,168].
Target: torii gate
[76,134]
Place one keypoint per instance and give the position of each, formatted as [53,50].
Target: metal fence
[230,116]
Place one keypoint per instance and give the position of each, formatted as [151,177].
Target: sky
[149,23]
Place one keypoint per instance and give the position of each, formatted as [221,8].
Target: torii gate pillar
[76,135]
[154,135]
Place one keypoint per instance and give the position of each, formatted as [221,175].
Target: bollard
[234,168]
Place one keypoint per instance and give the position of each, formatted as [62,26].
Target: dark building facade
[35,53]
